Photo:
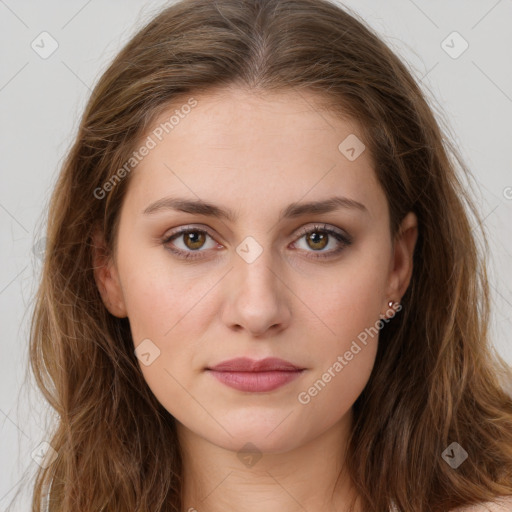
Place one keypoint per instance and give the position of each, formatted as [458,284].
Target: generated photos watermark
[305,397]
[152,140]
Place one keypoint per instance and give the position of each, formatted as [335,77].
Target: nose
[257,298]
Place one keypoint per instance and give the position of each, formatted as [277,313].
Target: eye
[317,238]
[192,239]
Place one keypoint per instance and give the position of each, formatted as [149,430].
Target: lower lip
[256,381]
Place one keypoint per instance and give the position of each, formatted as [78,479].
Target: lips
[244,364]
[246,374]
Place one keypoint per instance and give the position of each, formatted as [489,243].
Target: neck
[310,476]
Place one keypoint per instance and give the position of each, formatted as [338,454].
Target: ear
[107,278]
[402,258]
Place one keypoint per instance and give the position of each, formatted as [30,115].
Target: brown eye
[189,242]
[194,239]
[314,240]
[317,240]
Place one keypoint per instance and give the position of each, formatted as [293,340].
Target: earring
[393,304]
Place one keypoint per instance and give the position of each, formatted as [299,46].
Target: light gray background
[41,101]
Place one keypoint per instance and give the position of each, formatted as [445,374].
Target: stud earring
[393,304]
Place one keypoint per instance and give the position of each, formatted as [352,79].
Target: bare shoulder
[501,504]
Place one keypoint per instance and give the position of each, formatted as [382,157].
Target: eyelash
[345,241]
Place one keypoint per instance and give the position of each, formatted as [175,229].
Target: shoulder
[501,504]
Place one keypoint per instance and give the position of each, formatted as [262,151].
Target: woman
[262,289]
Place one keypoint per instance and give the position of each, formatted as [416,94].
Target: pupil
[192,238]
[318,238]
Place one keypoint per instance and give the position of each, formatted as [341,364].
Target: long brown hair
[436,379]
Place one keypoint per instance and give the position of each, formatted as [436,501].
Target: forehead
[235,117]
[240,144]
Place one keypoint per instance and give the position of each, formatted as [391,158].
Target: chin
[266,436]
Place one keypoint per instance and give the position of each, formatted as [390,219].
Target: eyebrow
[293,210]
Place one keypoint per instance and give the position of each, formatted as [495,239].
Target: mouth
[249,375]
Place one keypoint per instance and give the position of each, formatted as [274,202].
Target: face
[267,279]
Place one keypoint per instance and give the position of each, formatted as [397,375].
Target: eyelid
[342,236]
[189,227]
[321,226]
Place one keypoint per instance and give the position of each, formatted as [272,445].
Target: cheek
[330,393]
[350,298]
[159,311]
[174,322]
[158,294]
[167,315]
[349,306]
[345,356]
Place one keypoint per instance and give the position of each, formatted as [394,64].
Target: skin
[256,154]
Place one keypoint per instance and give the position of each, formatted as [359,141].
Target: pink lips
[249,375]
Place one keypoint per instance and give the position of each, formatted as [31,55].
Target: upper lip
[244,364]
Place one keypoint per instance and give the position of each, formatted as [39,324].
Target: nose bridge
[255,266]
[257,298]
